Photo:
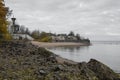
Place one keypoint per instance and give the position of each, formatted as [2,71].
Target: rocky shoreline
[21,60]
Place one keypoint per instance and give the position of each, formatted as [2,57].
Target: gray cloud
[87,17]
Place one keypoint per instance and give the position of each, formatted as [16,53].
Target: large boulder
[102,71]
[87,73]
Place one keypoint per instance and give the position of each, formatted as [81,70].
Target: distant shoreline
[58,44]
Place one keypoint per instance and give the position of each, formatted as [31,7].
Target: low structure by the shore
[22,60]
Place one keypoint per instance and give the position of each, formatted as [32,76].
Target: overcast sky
[88,17]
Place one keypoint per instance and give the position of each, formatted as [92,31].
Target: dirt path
[55,44]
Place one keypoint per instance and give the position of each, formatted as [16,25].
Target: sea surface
[107,52]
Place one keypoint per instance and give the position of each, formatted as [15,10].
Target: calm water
[106,52]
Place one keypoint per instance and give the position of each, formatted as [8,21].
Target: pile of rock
[21,60]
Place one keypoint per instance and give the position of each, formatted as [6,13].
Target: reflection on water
[70,49]
[107,53]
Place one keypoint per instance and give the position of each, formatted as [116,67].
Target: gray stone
[42,72]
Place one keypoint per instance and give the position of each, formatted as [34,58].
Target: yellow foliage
[46,39]
[4,35]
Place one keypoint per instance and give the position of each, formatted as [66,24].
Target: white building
[14,31]
[22,36]
[62,38]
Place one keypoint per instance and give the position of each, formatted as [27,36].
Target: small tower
[14,27]
[13,20]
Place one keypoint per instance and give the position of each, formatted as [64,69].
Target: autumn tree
[45,37]
[4,35]
[41,36]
